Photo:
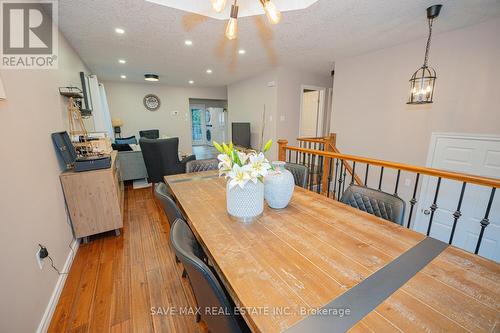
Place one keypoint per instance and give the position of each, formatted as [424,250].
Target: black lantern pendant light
[423,81]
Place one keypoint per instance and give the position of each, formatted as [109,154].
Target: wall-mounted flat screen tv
[241,134]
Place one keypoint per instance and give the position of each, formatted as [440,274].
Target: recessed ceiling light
[123,76]
[119,31]
[209,71]
[122,61]
[191,82]
[188,42]
[151,77]
[242,51]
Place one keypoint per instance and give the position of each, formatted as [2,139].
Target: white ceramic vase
[245,204]
[278,186]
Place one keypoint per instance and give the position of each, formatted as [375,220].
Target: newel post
[330,142]
[282,143]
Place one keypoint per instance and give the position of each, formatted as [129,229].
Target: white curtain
[100,112]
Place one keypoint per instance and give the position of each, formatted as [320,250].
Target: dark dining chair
[376,202]
[299,172]
[150,134]
[202,165]
[169,206]
[131,140]
[208,291]
[161,157]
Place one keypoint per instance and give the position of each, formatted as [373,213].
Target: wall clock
[151,102]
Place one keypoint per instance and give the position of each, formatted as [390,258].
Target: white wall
[370,92]
[290,82]
[125,101]
[372,119]
[246,100]
[32,208]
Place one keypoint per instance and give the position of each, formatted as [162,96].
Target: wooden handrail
[463,177]
[314,140]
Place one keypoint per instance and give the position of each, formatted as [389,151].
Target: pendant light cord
[428,46]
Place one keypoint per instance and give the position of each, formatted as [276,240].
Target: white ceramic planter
[278,186]
[245,204]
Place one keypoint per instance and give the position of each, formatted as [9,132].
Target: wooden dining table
[322,266]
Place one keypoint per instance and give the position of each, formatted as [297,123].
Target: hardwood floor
[115,281]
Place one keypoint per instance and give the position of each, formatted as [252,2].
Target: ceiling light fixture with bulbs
[151,77]
[272,13]
[423,81]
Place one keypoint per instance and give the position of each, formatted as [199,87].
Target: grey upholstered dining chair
[208,291]
[202,165]
[169,206]
[299,172]
[376,202]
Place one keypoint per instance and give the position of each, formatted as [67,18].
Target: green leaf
[268,146]
[236,157]
[231,146]
[226,149]
[218,147]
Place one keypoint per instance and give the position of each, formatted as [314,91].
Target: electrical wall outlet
[39,260]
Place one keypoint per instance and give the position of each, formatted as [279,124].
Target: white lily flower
[259,165]
[243,157]
[239,176]
[225,164]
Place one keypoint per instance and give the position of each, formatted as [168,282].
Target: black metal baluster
[335,181]
[320,174]
[340,178]
[311,182]
[310,155]
[457,213]
[485,221]
[330,166]
[397,184]
[434,206]
[353,172]
[380,180]
[366,174]
[344,178]
[413,200]
[296,157]
[289,156]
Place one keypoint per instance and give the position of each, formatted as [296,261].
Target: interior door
[467,154]
[311,117]
[198,124]
[218,125]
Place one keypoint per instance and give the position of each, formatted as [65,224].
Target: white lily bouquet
[241,167]
[245,187]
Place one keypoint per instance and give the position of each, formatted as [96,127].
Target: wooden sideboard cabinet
[95,199]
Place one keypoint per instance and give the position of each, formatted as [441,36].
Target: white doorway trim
[321,109]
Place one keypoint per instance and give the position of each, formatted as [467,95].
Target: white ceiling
[310,39]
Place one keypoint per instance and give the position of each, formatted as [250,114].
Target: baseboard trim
[49,310]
